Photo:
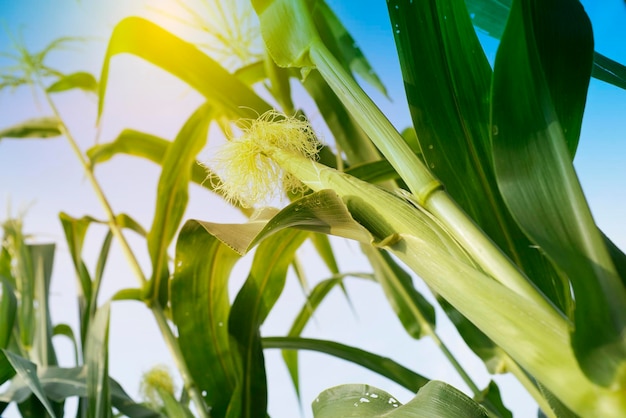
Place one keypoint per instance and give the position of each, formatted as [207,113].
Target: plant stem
[177,355]
[113,225]
[157,311]
[426,188]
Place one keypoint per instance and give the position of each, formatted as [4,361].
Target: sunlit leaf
[80,80]
[67,331]
[42,257]
[182,59]
[435,399]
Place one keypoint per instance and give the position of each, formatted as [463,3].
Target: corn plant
[479,199]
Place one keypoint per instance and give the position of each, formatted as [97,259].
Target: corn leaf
[536,122]
[97,362]
[142,38]
[42,257]
[66,331]
[199,289]
[413,310]
[62,383]
[378,364]
[449,103]
[27,371]
[8,311]
[173,194]
[80,80]
[435,399]
[492,401]
[491,15]
[48,127]
[250,308]
[313,300]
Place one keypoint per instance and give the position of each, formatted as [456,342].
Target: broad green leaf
[374,362]
[61,383]
[559,409]
[97,362]
[80,80]
[413,310]
[67,331]
[27,371]
[449,103]
[252,304]
[287,29]
[536,122]
[491,400]
[42,257]
[491,16]
[173,194]
[8,311]
[47,127]
[142,38]
[200,310]
[435,399]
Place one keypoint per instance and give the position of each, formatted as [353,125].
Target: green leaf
[449,103]
[38,128]
[62,383]
[142,38]
[316,297]
[42,257]
[491,16]
[435,399]
[413,310]
[80,80]
[378,364]
[491,400]
[199,290]
[97,362]
[250,308]
[66,331]
[536,123]
[27,371]
[8,311]
[173,194]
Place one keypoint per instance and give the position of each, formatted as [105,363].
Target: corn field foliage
[478,198]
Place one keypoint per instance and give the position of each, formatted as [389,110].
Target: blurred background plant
[216,340]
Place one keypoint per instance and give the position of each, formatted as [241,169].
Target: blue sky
[44,178]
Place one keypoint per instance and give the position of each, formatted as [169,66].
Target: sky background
[41,178]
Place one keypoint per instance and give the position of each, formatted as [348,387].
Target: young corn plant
[479,199]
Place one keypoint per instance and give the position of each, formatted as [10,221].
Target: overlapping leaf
[142,38]
[536,122]
[173,194]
